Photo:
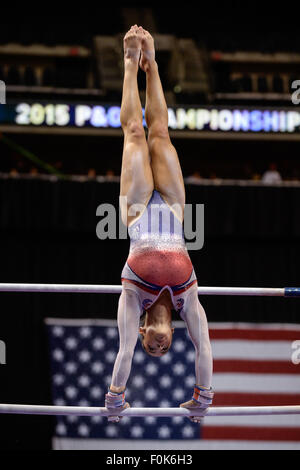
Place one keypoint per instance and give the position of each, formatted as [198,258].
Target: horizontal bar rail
[143,412]
[117,289]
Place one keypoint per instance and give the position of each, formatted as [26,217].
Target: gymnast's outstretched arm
[196,322]
[129,312]
[195,318]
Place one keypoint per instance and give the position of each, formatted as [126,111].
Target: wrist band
[115,399]
[203,395]
[203,389]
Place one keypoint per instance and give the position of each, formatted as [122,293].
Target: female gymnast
[158,277]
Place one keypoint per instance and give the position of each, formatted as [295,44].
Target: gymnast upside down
[158,277]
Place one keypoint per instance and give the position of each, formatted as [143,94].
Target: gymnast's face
[157,340]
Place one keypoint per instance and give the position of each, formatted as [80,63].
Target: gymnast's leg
[136,175]
[165,164]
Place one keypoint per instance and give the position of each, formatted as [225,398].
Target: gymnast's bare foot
[133,43]
[148,51]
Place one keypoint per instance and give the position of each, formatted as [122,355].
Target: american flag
[252,366]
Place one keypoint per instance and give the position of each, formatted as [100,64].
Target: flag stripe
[128,444]
[257,399]
[277,421]
[255,334]
[261,367]
[262,383]
[250,433]
[252,350]
[253,326]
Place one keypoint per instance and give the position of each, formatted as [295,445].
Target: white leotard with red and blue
[158,258]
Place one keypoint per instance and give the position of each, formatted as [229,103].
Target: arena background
[48,224]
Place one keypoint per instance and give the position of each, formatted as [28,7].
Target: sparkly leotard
[158,258]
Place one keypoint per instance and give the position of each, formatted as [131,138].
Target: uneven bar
[61,288]
[142,412]
[117,289]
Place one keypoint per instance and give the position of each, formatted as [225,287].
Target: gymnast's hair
[142,324]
